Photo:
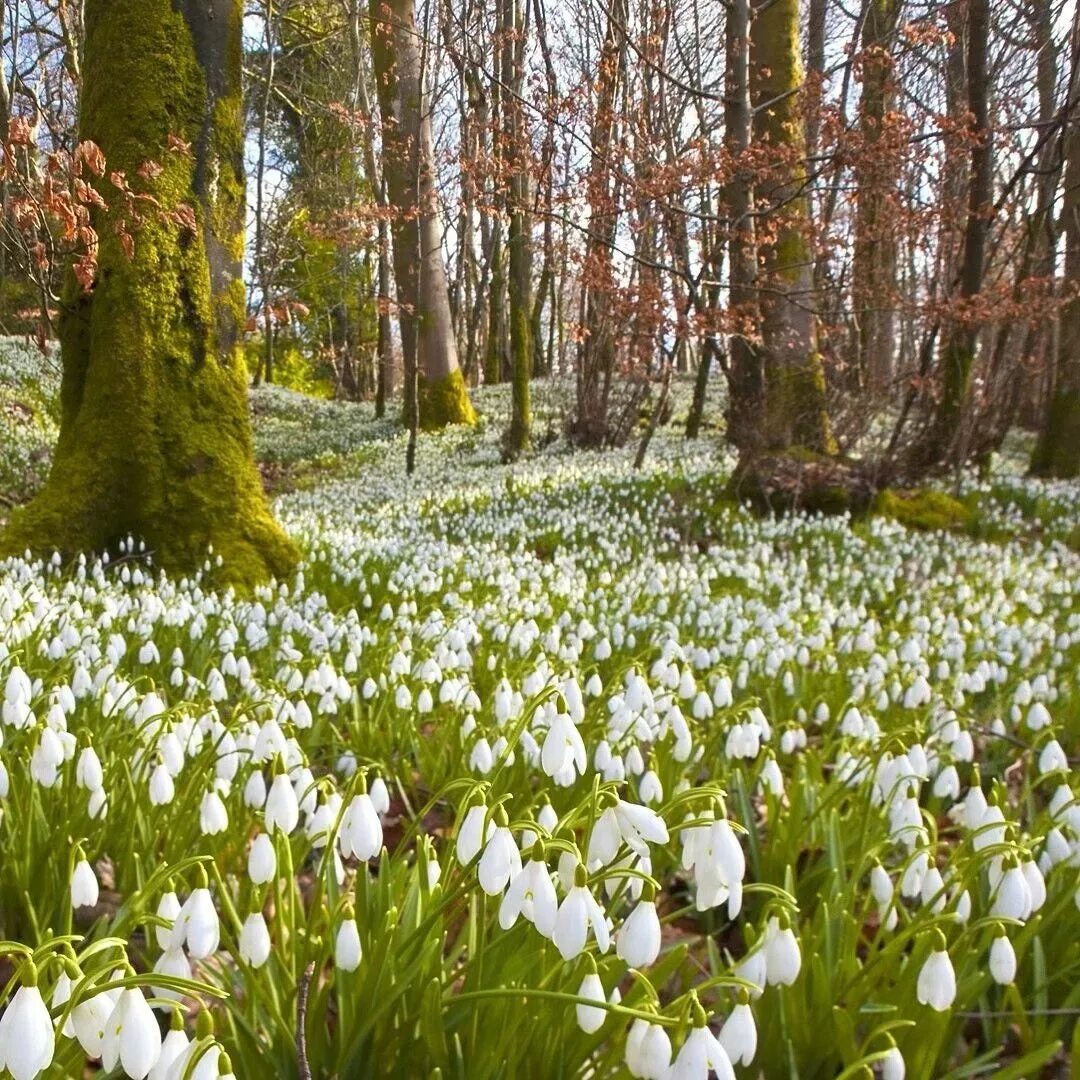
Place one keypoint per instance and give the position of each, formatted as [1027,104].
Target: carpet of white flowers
[547,770]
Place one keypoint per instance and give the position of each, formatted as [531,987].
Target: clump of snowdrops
[538,771]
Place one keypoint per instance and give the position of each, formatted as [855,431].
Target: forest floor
[889,717]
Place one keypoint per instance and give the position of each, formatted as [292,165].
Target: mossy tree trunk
[520,253]
[155,436]
[1057,453]
[425,319]
[795,412]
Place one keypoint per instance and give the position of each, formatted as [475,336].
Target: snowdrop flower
[88,773]
[1002,960]
[531,894]
[172,1046]
[173,961]
[893,1066]
[577,913]
[361,832]
[262,860]
[563,747]
[255,940]
[738,1036]
[701,1053]
[197,925]
[162,788]
[648,1051]
[638,941]
[471,833]
[500,862]
[84,885]
[936,985]
[590,1018]
[783,959]
[282,808]
[1012,897]
[347,950]
[640,826]
[132,1038]
[213,817]
[27,1039]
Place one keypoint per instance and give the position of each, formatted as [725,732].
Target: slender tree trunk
[746,380]
[873,274]
[519,243]
[961,339]
[427,327]
[1058,451]
[155,437]
[795,409]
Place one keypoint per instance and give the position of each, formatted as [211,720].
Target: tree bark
[795,411]
[426,322]
[155,437]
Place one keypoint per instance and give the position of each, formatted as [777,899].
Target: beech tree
[155,437]
[426,323]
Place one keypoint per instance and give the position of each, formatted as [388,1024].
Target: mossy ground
[923,509]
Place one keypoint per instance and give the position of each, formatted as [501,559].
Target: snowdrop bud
[197,924]
[168,908]
[88,772]
[132,1037]
[172,1047]
[739,1034]
[701,1053]
[893,1066]
[213,817]
[936,985]
[347,950]
[282,808]
[84,885]
[262,860]
[255,940]
[590,1018]
[27,1039]
[470,837]
[638,942]
[783,958]
[648,1051]
[361,830]
[162,788]
[1002,960]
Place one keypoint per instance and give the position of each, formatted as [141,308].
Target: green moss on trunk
[445,401]
[155,438]
[1058,451]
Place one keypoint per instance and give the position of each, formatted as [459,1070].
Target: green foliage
[445,401]
[924,509]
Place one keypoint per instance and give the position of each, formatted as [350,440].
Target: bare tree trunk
[427,328]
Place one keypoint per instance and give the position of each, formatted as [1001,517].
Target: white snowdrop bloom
[88,772]
[172,1047]
[255,791]
[197,925]
[1035,882]
[640,826]
[369,689]
[648,1051]
[1052,758]
[262,860]
[577,913]
[1002,960]
[914,871]
[1012,896]
[282,809]
[89,1019]
[932,891]
[255,940]
[532,895]
[481,759]
[132,1037]
[771,778]
[738,1036]
[347,950]
[168,909]
[893,1066]
[590,1018]
[604,840]
[936,985]
[783,958]
[500,862]
[1038,716]
[650,790]
[881,885]
[84,885]
[563,747]
[637,943]
[206,1067]
[27,1039]
[361,832]
[403,697]
[472,834]
[161,786]
[213,817]
[173,961]
[698,1055]
[947,783]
